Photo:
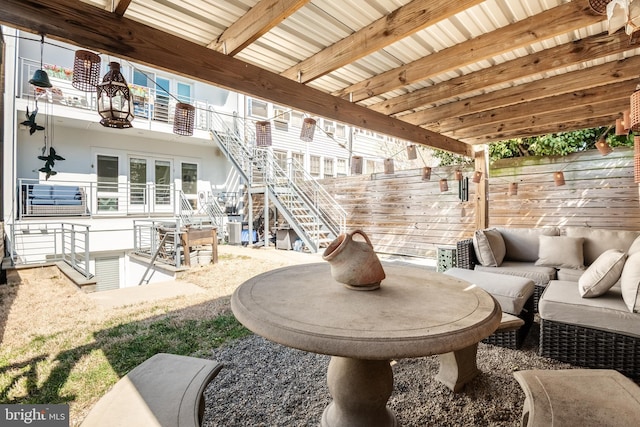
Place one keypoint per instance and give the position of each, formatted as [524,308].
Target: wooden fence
[402,214]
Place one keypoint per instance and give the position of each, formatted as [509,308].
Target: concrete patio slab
[144,293]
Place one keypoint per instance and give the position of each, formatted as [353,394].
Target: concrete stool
[515,296]
[165,390]
[578,397]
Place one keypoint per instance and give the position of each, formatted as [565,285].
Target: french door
[150,184]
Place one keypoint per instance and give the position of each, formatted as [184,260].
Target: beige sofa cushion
[635,246]
[561,252]
[630,283]
[489,247]
[602,274]
[561,302]
[570,274]
[540,275]
[598,240]
[522,244]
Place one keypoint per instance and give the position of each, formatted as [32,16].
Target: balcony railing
[149,105]
[83,198]
[42,243]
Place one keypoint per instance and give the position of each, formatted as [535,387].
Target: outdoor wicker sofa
[55,200]
[587,288]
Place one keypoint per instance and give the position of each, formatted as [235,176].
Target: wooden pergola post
[482,188]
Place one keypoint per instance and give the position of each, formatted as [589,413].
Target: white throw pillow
[489,247]
[630,282]
[561,252]
[635,247]
[602,274]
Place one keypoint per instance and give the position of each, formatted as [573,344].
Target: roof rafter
[564,55]
[92,28]
[119,7]
[559,20]
[607,73]
[399,24]
[257,21]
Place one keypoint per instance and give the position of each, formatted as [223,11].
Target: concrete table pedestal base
[360,390]
[458,367]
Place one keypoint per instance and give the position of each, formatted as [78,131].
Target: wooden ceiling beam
[563,102]
[567,126]
[399,24]
[546,119]
[581,80]
[558,20]
[259,20]
[92,28]
[564,55]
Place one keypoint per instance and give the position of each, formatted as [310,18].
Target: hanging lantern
[558,178]
[184,119]
[636,158]
[634,112]
[620,130]
[458,175]
[388,166]
[86,71]
[263,134]
[477,177]
[426,173]
[444,186]
[40,77]
[308,129]
[603,146]
[411,152]
[513,189]
[599,6]
[114,99]
[356,165]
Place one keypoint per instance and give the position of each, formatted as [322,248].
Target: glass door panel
[107,194]
[162,180]
[138,182]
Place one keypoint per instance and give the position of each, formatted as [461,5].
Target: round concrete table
[416,312]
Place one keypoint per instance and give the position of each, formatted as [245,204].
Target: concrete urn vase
[354,263]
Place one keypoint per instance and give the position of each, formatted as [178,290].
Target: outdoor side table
[446,258]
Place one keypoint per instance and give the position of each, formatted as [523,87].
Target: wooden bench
[166,390]
[578,397]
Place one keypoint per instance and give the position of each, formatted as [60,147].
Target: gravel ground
[266,384]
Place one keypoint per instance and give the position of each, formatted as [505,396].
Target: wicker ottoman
[578,397]
[515,296]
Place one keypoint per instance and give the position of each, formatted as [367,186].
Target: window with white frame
[328,167]
[296,119]
[314,166]
[281,114]
[298,159]
[258,108]
[329,127]
[341,169]
[341,131]
[281,158]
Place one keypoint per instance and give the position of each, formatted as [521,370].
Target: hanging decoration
[31,121]
[444,186]
[411,152]
[513,189]
[49,154]
[426,173]
[115,104]
[602,145]
[356,165]
[388,166]
[308,129]
[40,77]
[558,178]
[633,120]
[458,175]
[86,71]
[477,177]
[184,119]
[263,134]
[620,129]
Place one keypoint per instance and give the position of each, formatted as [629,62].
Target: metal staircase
[313,214]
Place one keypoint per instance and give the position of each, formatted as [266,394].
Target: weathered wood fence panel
[407,216]
[599,191]
[401,213]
